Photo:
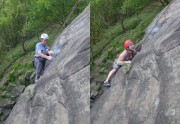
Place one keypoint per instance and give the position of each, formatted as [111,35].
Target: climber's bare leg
[111,74]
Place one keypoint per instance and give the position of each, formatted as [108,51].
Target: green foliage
[12,76]
[127,67]
[21,20]
[134,5]
[103,14]
[30,93]
[106,13]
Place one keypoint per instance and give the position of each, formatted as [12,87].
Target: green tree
[134,6]
[23,19]
[164,2]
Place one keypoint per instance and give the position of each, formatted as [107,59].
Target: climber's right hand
[51,53]
[128,62]
[49,58]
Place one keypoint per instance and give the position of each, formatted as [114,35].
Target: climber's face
[44,41]
[131,48]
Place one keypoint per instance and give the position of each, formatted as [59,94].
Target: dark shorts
[115,65]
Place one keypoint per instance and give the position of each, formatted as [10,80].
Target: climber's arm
[121,59]
[43,55]
[49,52]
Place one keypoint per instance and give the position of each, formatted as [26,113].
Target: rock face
[61,95]
[150,92]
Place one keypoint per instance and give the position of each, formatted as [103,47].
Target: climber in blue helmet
[42,53]
[124,58]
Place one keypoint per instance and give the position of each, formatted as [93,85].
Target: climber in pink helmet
[124,58]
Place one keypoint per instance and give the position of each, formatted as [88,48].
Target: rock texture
[61,95]
[150,92]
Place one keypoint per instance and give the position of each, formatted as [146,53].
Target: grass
[111,42]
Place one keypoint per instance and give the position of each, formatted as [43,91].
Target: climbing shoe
[106,84]
[42,73]
[36,79]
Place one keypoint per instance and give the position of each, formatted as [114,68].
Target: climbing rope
[69,15]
